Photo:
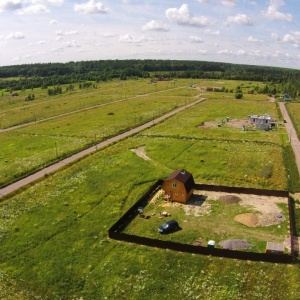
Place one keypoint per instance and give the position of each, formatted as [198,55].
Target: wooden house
[179,186]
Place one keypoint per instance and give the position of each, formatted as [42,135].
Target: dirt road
[293,138]
[21,183]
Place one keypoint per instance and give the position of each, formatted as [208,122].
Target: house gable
[179,186]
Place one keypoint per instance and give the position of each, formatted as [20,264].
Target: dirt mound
[230,199]
[235,244]
[249,219]
[269,219]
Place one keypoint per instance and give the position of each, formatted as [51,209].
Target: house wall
[177,193]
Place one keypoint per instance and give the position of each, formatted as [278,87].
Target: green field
[29,148]
[54,234]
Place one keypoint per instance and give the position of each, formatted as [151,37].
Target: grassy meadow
[53,235]
[27,149]
[294,113]
[15,110]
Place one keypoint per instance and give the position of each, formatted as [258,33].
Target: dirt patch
[140,151]
[230,199]
[249,219]
[235,244]
[265,207]
[233,123]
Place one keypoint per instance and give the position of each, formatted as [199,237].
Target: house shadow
[196,200]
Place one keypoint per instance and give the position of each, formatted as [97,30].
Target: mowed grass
[54,242]
[32,147]
[15,110]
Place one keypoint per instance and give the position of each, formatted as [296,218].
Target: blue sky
[260,32]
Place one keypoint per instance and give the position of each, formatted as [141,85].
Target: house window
[174,184]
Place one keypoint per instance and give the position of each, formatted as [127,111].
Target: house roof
[185,177]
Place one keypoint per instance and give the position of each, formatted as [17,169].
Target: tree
[238,95]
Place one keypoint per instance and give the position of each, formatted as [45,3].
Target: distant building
[179,186]
[286,97]
[264,122]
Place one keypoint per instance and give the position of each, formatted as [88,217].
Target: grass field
[294,113]
[27,149]
[54,241]
[15,110]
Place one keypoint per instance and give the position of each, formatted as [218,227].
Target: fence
[115,232]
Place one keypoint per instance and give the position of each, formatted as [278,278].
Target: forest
[29,76]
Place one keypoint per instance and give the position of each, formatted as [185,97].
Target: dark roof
[185,177]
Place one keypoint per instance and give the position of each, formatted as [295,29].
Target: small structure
[286,97]
[274,248]
[211,244]
[179,186]
[264,122]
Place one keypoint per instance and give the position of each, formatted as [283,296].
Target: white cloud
[33,9]
[275,37]
[202,51]
[225,51]
[72,32]
[212,32]
[293,38]
[53,22]
[15,36]
[91,7]
[10,5]
[41,42]
[183,16]
[72,44]
[240,19]
[241,52]
[155,25]
[129,39]
[252,39]
[109,35]
[61,33]
[195,39]
[229,3]
[274,14]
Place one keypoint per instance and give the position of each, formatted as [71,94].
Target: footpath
[52,168]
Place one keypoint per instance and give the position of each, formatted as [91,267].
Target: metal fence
[115,232]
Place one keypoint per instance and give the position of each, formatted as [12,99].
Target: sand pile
[229,199]
[249,219]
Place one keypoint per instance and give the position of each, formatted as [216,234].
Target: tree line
[30,76]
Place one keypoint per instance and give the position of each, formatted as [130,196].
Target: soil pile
[249,219]
[230,199]
[235,244]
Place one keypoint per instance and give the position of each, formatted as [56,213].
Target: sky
[255,32]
